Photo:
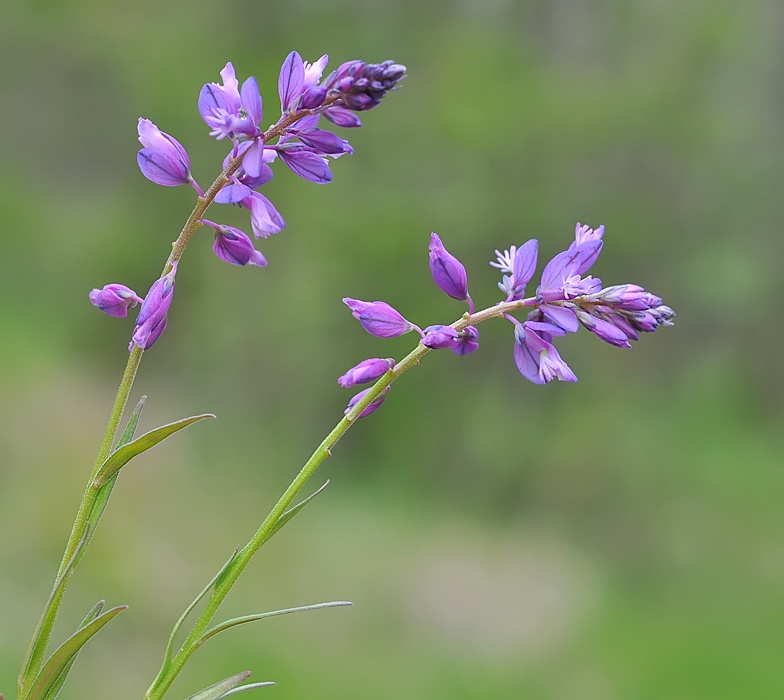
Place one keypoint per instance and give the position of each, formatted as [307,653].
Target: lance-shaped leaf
[37,649]
[242,689]
[167,659]
[105,492]
[120,457]
[54,691]
[57,662]
[261,616]
[291,512]
[217,691]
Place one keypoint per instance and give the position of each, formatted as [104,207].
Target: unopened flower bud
[379,318]
[467,341]
[366,371]
[151,321]
[448,272]
[115,299]
[372,406]
[313,97]
[234,246]
[437,337]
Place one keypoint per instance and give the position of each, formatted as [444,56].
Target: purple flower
[115,299]
[231,112]
[297,77]
[437,337]
[536,358]
[366,371]
[234,246]
[264,218]
[467,341]
[520,263]
[163,160]
[372,406]
[379,318]
[448,272]
[305,163]
[151,321]
[561,278]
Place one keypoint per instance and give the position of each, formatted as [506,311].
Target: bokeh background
[618,538]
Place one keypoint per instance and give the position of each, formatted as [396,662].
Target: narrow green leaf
[167,659]
[57,662]
[217,691]
[37,649]
[120,457]
[223,626]
[291,512]
[242,689]
[58,684]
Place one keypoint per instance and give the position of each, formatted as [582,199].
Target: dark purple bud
[154,309]
[467,341]
[291,80]
[437,337]
[323,141]
[306,164]
[234,246]
[379,318]
[372,406]
[313,97]
[448,272]
[366,371]
[342,117]
[607,331]
[359,103]
[115,299]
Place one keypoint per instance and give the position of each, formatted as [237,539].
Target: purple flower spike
[372,406]
[467,342]
[379,318]
[115,299]
[538,360]
[163,160]
[151,321]
[437,337]
[234,246]
[366,371]
[448,272]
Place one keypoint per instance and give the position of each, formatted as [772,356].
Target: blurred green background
[618,538]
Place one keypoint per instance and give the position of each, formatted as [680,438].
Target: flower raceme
[565,299]
[236,113]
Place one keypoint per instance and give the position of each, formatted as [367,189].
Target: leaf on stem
[217,691]
[243,688]
[58,661]
[167,660]
[105,492]
[54,691]
[120,457]
[37,650]
[291,512]
[261,616]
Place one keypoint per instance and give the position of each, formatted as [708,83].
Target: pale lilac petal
[561,316]
[230,88]
[231,194]
[559,268]
[251,101]
[161,169]
[312,73]
[524,264]
[264,218]
[307,165]
[589,251]
[291,80]
[527,362]
[252,163]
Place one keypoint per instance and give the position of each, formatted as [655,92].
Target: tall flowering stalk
[565,299]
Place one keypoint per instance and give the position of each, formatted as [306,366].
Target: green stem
[229,577]
[34,658]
